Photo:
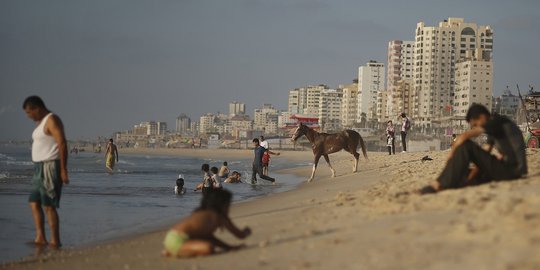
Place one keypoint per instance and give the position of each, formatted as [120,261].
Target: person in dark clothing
[258,162]
[405,126]
[503,134]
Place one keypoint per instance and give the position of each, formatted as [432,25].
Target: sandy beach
[353,221]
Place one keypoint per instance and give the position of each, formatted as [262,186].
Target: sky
[105,65]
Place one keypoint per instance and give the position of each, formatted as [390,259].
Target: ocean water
[97,206]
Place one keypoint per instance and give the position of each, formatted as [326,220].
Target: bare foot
[40,241]
[55,245]
[165,253]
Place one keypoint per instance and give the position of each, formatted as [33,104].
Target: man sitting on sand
[194,236]
[511,163]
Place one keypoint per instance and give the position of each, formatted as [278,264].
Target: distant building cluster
[433,78]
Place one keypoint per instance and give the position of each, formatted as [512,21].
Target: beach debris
[426,158]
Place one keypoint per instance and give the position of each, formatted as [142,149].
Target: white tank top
[44,147]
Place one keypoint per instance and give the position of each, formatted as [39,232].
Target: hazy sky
[106,65]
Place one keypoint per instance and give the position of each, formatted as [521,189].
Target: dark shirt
[507,138]
[259,151]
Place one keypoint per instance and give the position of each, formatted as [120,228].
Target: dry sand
[357,221]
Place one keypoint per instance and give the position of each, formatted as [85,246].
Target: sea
[97,206]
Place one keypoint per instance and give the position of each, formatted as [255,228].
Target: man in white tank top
[49,154]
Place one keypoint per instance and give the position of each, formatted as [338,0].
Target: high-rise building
[266,118]
[237,108]
[206,123]
[313,96]
[474,82]
[161,128]
[404,99]
[297,100]
[305,100]
[370,82]
[437,49]
[183,124]
[382,102]
[330,103]
[399,67]
[349,104]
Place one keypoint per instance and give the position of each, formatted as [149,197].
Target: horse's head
[300,131]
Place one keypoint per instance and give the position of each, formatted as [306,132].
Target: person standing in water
[258,163]
[111,155]
[49,154]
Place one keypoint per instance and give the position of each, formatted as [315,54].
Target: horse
[324,144]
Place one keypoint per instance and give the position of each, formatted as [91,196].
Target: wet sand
[356,221]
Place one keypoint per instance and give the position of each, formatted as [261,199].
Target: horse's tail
[363,146]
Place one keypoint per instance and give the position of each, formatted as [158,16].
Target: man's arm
[116,152]
[473,133]
[56,129]
[272,153]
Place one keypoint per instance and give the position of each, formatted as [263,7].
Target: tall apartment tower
[330,104]
[399,67]
[474,82]
[183,124]
[349,104]
[237,108]
[370,82]
[437,50]
[297,100]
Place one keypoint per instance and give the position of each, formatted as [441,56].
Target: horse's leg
[315,162]
[355,162]
[329,165]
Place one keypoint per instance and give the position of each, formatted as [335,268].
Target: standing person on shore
[263,142]
[390,138]
[509,164]
[405,126]
[258,163]
[49,154]
[111,155]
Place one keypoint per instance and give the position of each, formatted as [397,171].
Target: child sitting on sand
[194,236]
[179,188]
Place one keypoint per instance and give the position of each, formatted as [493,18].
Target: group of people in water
[468,164]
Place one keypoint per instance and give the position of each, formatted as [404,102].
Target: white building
[349,104]
[330,106]
[237,108]
[400,66]
[206,123]
[370,82]
[297,100]
[266,118]
[313,96]
[474,82]
[437,49]
[506,104]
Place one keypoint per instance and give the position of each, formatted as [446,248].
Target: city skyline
[97,72]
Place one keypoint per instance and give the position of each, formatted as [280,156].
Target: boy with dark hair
[207,183]
[258,162]
[194,236]
[224,170]
[215,178]
[503,134]
[179,188]
[405,127]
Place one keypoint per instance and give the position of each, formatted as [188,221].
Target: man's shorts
[38,193]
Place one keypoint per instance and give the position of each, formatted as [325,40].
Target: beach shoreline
[357,221]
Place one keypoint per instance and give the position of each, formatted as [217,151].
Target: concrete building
[206,123]
[400,66]
[266,119]
[474,82]
[382,108]
[370,82]
[297,100]
[437,49]
[237,108]
[506,104]
[313,96]
[349,104]
[403,99]
[183,124]
[161,128]
[330,106]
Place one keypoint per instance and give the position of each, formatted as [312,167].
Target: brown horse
[324,144]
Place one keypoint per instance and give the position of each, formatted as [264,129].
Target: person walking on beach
[510,162]
[111,155]
[258,163]
[390,138]
[405,126]
[264,143]
[49,154]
